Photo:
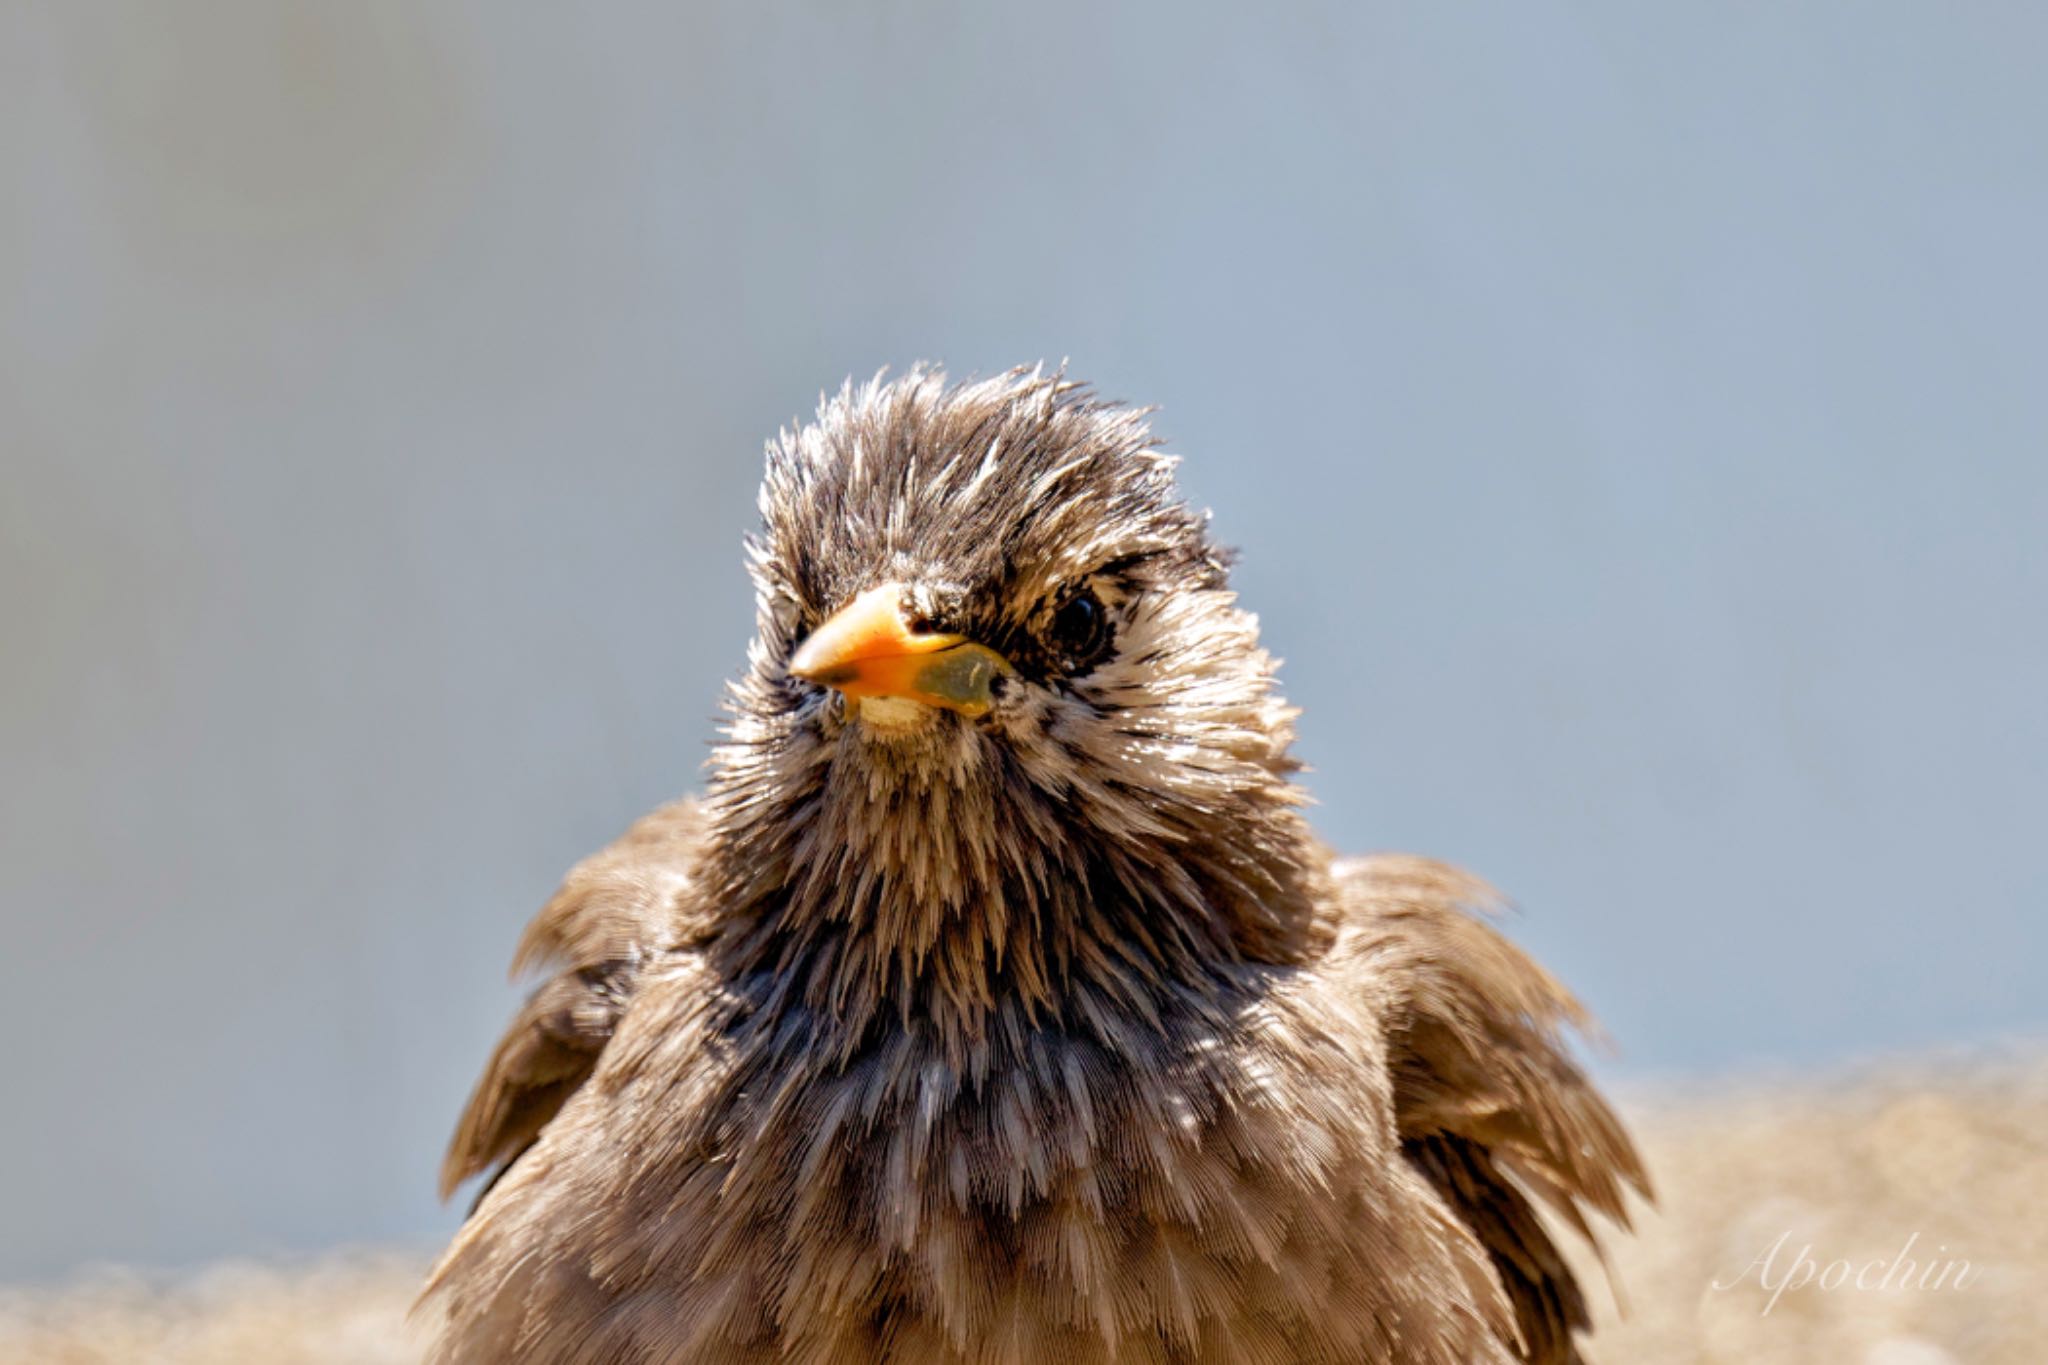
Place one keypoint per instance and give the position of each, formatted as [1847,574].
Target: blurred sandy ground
[1953,1150]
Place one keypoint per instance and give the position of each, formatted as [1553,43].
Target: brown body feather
[1050,1036]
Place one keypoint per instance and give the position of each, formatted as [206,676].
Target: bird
[996,1003]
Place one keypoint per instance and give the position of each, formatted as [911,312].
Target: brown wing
[615,909]
[1489,1104]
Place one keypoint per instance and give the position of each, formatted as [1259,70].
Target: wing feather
[1488,1101]
[615,910]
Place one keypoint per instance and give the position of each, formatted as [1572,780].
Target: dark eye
[1080,631]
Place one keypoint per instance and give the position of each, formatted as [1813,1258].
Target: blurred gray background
[1633,419]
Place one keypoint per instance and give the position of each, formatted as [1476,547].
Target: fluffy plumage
[1049,1034]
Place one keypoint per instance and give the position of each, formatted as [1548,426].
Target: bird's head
[1001,681]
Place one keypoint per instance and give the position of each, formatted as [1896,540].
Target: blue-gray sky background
[1632,417]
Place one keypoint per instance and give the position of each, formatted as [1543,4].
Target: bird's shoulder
[618,909]
[1489,1103]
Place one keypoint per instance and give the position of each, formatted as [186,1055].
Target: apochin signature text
[1775,1271]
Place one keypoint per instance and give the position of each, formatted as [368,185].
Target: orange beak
[867,649]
